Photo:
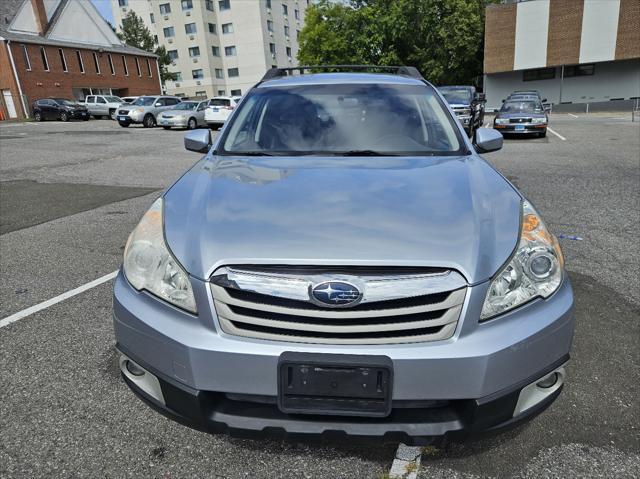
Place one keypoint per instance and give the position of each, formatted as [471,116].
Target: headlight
[502,121]
[535,269]
[149,265]
[538,121]
[139,110]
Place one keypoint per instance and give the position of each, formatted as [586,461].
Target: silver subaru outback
[342,262]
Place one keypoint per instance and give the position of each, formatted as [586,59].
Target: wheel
[123,124]
[192,124]
[166,127]
[37,116]
[112,114]
[543,134]
[149,121]
[86,119]
[64,116]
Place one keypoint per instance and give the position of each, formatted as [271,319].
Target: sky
[104,7]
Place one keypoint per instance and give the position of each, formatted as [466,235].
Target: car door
[101,106]
[52,110]
[202,106]
[170,103]
[89,102]
[158,105]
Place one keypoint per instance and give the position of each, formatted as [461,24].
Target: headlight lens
[502,121]
[538,121]
[149,265]
[535,269]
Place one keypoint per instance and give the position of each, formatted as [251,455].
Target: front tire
[543,134]
[64,116]
[37,116]
[166,127]
[192,124]
[123,124]
[149,121]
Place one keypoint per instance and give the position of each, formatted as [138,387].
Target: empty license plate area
[335,384]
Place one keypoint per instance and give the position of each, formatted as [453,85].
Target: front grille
[520,120]
[395,307]
[123,112]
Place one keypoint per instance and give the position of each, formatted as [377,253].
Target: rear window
[219,102]
[407,120]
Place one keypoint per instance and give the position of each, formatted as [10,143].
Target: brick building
[572,51]
[65,49]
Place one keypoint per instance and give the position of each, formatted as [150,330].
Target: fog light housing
[134,369]
[548,382]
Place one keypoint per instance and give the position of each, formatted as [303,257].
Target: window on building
[289,52]
[209,5]
[63,60]
[197,74]
[45,62]
[236,92]
[25,57]
[173,55]
[296,14]
[169,32]
[194,52]
[224,5]
[149,69]
[96,63]
[165,8]
[212,28]
[155,38]
[227,28]
[222,92]
[579,70]
[268,3]
[215,51]
[272,48]
[297,34]
[111,67]
[219,73]
[152,18]
[270,25]
[186,4]
[80,62]
[190,28]
[124,66]
[285,10]
[233,72]
[138,70]
[123,3]
[539,74]
[286,30]
[201,93]
[178,76]
[230,51]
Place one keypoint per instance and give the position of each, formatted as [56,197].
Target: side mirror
[544,100]
[158,104]
[198,141]
[487,140]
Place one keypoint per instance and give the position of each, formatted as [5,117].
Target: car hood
[454,212]
[521,115]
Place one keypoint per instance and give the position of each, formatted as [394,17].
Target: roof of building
[56,32]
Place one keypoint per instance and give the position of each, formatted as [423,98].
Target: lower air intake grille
[395,308]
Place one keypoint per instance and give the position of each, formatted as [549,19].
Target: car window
[63,101]
[202,106]
[187,105]
[144,101]
[338,119]
[101,100]
[457,95]
[522,107]
[219,102]
[91,99]
[113,99]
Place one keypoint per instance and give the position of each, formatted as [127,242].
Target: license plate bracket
[335,384]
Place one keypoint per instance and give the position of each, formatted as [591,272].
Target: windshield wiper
[251,153]
[361,153]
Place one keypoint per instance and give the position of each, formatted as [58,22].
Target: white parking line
[50,302]
[557,134]
[571,114]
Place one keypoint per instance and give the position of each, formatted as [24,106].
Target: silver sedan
[187,114]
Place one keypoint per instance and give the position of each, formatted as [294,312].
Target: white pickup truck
[101,106]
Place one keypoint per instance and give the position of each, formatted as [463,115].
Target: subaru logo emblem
[335,294]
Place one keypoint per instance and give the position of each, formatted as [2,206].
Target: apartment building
[220,47]
[571,51]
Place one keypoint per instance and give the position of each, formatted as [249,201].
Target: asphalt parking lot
[70,193]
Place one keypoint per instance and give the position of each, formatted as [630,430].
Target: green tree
[135,33]
[442,38]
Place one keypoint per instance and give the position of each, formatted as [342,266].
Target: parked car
[525,117]
[103,106]
[59,109]
[467,104]
[129,99]
[187,114]
[362,273]
[145,110]
[219,109]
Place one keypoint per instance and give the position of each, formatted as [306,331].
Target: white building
[220,47]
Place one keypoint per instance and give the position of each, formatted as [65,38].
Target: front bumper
[129,117]
[528,129]
[79,114]
[216,382]
[176,122]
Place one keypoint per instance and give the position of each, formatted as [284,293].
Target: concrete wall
[619,79]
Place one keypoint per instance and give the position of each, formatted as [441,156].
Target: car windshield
[113,99]
[457,95]
[62,101]
[347,119]
[521,107]
[186,105]
[144,101]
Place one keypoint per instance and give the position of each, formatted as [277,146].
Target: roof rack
[398,70]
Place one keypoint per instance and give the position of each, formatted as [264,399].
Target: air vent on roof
[188,14]
[198,82]
[192,37]
[268,10]
[195,60]
[166,17]
[169,40]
